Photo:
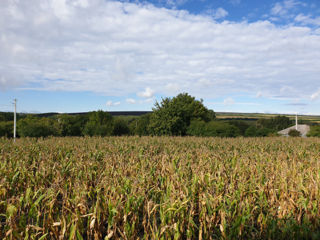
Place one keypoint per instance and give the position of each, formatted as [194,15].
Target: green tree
[6,129]
[143,125]
[71,125]
[241,125]
[37,127]
[251,131]
[314,131]
[100,123]
[212,129]
[276,124]
[294,133]
[173,115]
[120,127]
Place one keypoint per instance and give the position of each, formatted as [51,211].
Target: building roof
[302,128]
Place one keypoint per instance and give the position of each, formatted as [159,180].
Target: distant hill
[227,116]
[113,113]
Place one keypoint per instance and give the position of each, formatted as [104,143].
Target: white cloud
[315,95]
[148,100]
[112,104]
[147,93]
[307,19]
[228,101]
[235,2]
[259,94]
[9,77]
[174,3]
[173,88]
[283,8]
[118,48]
[217,13]
[131,101]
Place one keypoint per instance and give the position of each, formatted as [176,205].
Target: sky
[85,55]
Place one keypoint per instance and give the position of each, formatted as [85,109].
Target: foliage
[241,125]
[159,188]
[314,131]
[6,116]
[71,125]
[143,125]
[6,129]
[37,127]
[253,131]
[212,129]
[173,115]
[276,124]
[120,127]
[100,123]
[294,133]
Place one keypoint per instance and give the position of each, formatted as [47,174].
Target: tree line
[182,115]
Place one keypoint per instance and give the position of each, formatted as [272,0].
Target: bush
[275,124]
[93,129]
[241,125]
[71,125]
[100,123]
[37,127]
[212,129]
[294,133]
[251,131]
[314,131]
[141,125]
[6,129]
[120,127]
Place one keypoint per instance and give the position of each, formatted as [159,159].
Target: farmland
[159,188]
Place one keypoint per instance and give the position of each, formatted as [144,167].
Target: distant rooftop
[302,128]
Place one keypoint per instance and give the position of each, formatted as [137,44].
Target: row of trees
[178,116]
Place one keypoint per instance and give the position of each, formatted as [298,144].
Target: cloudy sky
[84,55]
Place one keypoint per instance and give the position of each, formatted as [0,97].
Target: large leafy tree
[172,116]
[100,123]
[32,126]
[71,125]
[6,129]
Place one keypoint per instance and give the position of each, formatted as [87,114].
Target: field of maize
[160,188]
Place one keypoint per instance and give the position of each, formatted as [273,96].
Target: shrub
[120,127]
[37,127]
[212,129]
[294,133]
[6,129]
[314,131]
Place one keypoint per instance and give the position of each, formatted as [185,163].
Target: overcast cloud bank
[122,49]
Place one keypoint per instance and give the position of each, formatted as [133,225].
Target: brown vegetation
[159,187]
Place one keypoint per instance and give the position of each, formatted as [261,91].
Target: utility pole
[296,121]
[14,119]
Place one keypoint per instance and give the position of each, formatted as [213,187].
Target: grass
[160,188]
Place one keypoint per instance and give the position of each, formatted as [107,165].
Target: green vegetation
[314,131]
[178,116]
[159,188]
[173,116]
[294,133]
[6,128]
[37,127]
[212,128]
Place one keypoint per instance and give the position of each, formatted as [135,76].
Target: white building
[302,128]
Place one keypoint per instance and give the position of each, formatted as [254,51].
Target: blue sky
[236,55]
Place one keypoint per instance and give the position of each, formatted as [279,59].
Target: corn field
[160,188]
